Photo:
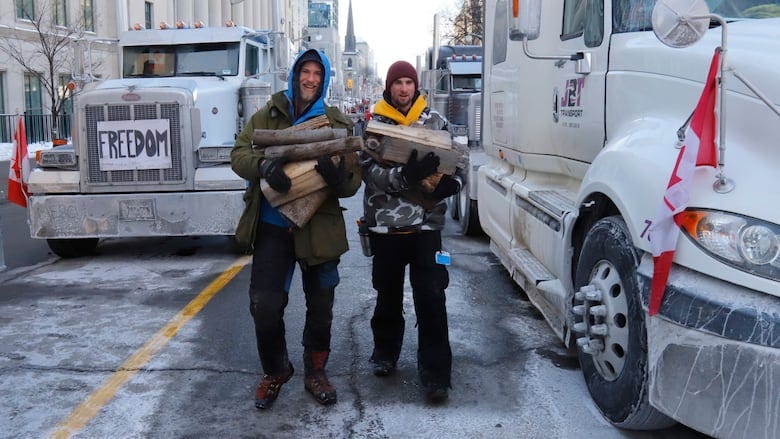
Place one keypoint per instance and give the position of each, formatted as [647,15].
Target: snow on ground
[6,149]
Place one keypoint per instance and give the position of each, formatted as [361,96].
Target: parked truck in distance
[150,150]
[585,106]
[452,80]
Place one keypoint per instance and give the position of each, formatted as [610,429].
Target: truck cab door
[579,86]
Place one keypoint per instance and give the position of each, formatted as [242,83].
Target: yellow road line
[88,409]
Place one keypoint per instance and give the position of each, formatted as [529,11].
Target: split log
[300,211]
[267,138]
[394,143]
[304,178]
[306,151]
[312,124]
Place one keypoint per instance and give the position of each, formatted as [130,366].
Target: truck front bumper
[714,355]
[137,214]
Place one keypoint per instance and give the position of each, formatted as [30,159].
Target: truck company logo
[570,101]
[134,144]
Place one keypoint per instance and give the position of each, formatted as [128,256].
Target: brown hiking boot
[315,381]
[269,388]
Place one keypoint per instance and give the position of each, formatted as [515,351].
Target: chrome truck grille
[114,112]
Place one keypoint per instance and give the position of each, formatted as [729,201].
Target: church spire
[350,45]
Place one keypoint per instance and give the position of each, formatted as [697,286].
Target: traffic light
[349,84]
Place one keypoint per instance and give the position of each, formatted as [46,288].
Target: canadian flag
[698,150]
[19,171]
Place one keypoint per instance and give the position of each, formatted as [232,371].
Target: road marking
[88,409]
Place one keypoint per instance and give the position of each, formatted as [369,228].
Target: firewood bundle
[393,144]
[301,146]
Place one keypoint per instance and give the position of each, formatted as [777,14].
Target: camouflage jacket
[388,204]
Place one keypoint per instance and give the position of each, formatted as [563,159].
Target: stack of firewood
[393,144]
[301,146]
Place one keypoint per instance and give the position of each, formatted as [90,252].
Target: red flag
[699,150]
[19,170]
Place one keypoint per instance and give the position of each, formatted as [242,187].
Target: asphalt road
[148,338]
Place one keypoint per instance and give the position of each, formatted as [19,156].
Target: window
[573,18]
[32,94]
[33,108]
[500,32]
[60,13]
[320,15]
[25,9]
[584,18]
[88,12]
[148,18]
[252,60]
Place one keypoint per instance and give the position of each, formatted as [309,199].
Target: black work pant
[429,280]
[273,264]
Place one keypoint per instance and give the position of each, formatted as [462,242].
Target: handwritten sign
[134,144]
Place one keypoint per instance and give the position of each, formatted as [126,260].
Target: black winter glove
[273,172]
[447,186]
[332,175]
[415,170]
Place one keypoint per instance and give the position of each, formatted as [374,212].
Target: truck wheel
[468,214]
[610,325]
[454,207]
[73,248]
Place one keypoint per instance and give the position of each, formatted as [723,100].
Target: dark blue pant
[429,280]
[273,264]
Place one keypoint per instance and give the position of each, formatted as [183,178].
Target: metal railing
[37,126]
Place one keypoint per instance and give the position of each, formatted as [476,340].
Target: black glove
[447,186]
[330,173]
[415,170]
[273,172]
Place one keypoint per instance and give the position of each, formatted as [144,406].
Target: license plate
[136,210]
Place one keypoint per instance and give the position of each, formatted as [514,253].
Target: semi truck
[150,150]
[452,80]
[586,105]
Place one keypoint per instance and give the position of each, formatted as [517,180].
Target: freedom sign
[134,144]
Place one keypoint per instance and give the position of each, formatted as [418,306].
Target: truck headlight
[743,242]
[61,157]
[214,154]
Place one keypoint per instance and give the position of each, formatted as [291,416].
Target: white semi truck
[150,151]
[585,103]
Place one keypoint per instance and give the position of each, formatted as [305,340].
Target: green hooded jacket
[324,237]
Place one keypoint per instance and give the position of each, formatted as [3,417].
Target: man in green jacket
[278,245]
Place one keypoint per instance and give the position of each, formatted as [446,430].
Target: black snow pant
[392,252]
[273,264]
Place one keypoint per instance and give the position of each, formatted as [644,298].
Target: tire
[73,248]
[612,343]
[468,215]
[454,207]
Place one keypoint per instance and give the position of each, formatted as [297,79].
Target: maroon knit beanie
[400,69]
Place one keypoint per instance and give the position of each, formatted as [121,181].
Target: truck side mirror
[526,19]
[680,23]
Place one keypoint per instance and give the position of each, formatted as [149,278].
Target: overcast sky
[400,29]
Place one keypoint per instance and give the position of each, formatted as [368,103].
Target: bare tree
[45,52]
[467,26]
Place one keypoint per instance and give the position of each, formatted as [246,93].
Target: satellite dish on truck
[680,23]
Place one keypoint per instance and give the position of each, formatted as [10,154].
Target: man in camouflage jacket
[406,231]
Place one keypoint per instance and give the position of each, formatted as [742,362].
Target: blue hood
[318,107]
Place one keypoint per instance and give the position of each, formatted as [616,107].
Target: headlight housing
[745,243]
[214,154]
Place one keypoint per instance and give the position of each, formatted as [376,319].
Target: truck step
[532,269]
[556,202]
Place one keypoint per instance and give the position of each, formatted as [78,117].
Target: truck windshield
[204,59]
[635,15]
[470,82]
